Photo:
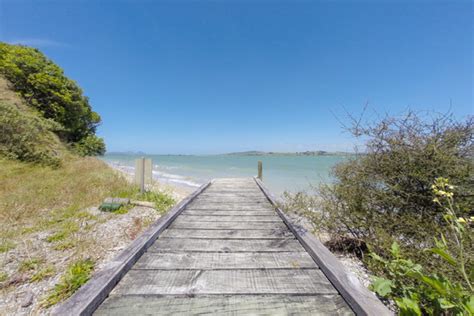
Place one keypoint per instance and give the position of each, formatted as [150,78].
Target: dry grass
[50,222]
[35,198]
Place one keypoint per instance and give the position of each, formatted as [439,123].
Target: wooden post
[142,176]
[260,176]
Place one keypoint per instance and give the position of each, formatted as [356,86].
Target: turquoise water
[280,173]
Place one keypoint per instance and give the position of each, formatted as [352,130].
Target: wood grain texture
[185,224]
[232,207]
[190,211]
[220,260]
[228,233]
[316,305]
[202,282]
[361,300]
[185,217]
[213,245]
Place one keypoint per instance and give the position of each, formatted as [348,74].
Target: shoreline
[178,192]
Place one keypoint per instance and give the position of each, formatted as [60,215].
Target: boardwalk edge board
[359,298]
[86,300]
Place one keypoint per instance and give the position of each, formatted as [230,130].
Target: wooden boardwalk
[226,251]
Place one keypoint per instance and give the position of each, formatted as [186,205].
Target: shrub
[90,145]
[28,137]
[416,292]
[384,195]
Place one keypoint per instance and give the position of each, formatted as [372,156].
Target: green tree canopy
[45,87]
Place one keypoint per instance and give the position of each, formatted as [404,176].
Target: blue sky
[210,77]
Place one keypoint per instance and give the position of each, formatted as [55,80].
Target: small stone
[27,299]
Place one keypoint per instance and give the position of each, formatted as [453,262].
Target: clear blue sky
[211,77]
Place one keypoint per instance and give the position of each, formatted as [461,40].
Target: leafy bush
[416,292]
[27,137]
[384,195]
[90,145]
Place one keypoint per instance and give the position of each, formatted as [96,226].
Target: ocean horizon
[281,172]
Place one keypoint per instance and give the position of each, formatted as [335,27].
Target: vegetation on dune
[385,197]
[46,89]
[76,275]
[28,137]
[36,198]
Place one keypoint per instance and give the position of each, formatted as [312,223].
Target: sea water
[280,172]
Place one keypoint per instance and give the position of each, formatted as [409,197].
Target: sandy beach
[179,192]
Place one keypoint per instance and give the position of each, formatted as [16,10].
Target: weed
[30,264]
[77,274]
[3,276]
[6,245]
[43,273]
[67,229]
[64,245]
[123,209]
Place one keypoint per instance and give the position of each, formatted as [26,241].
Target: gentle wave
[157,175]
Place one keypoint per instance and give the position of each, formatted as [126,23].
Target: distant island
[301,153]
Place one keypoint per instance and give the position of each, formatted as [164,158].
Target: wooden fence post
[260,167]
[142,176]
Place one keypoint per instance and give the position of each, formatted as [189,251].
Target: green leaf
[445,304]
[382,286]
[395,249]
[408,307]
[470,305]
[443,254]
[436,284]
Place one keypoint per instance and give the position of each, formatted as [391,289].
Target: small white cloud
[37,42]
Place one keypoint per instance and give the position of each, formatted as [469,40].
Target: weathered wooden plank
[232,207]
[232,200]
[256,193]
[230,190]
[220,260]
[202,282]
[230,245]
[229,218]
[360,299]
[316,305]
[184,224]
[91,295]
[225,187]
[227,233]
[228,213]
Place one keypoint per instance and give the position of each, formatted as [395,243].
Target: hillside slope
[25,135]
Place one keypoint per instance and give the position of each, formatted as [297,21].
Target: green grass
[77,274]
[6,245]
[37,198]
[3,276]
[123,209]
[64,245]
[43,273]
[162,201]
[66,230]
[30,264]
